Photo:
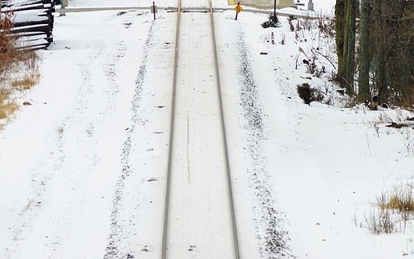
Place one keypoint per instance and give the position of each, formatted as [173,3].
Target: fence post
[154,9]
[62,10]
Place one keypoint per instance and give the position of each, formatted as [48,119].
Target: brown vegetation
[393,211]
[18,69]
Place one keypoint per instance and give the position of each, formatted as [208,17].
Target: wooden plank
[27,33]
[30,5]
[29,16]
[38,27]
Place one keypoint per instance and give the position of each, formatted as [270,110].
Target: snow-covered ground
[82,168]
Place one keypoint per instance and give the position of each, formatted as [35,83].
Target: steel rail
[168,180]
[223,125]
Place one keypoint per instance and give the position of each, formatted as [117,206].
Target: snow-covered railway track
[199,219]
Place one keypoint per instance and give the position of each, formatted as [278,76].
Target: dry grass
[26,82]
[18,70]
[393,211]
[401,199]
[8,106]
[8,109]
[381,222]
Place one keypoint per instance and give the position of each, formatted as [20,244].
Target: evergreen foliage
[272,22]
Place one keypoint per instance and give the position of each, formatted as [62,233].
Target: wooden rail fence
[32,22]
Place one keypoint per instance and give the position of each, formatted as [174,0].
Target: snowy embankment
[326,164]
[321,166]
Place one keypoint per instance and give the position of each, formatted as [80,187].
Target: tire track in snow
[116,247]
[27,212]
[81,129]
[46,170]
[43,173]
[274,242]
[58,164]
[111,74]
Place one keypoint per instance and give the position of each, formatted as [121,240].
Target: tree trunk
[382,47]
[365,55]
[349,50]
[345,14]
[339,26]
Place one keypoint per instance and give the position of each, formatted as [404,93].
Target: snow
[83,168]
[31,16]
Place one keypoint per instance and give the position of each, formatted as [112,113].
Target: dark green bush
[309,94]
[272,22]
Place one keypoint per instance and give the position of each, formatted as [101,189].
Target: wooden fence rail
[32,22]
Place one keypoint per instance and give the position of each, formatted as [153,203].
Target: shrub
[309,94]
